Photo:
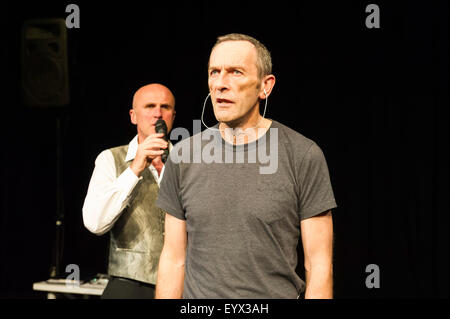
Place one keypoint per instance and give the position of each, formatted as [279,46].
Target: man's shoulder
[188,141]
[117,148]
[190,149]
[298,147]
[291,136]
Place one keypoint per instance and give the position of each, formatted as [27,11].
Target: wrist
[137,169]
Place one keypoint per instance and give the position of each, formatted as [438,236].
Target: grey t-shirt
[243,226]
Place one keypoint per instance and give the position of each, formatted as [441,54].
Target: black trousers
[124,288]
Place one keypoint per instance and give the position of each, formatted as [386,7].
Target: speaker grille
[44,63]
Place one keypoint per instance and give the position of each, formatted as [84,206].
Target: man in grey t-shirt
[237,204]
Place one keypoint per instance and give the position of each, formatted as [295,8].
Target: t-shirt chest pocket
[275,198]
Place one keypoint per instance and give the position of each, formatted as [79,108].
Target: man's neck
[140,138]
[158,164]
[247,133]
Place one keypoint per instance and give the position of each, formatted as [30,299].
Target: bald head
[150,103]
[153,90]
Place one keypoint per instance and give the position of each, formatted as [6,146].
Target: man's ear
[267,84]
[133,116]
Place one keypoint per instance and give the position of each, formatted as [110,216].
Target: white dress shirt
[108,194]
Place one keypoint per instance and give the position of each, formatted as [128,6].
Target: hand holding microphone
[153,146]
[161,127]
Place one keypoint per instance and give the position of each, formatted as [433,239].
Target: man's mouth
[223,101]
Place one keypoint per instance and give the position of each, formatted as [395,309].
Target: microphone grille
[160,126]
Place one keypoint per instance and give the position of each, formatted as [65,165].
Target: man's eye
[214,72]
[237,72]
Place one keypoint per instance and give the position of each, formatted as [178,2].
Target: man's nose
[221,83]
[157,112]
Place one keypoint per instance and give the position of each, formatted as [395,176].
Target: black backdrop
[375,100]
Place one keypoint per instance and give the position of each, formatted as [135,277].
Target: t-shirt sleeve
[169,193]
[316,193]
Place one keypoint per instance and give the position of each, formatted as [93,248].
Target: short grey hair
[263,59]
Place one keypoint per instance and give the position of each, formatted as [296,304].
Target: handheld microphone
[161,127]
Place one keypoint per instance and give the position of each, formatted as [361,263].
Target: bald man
[122,194]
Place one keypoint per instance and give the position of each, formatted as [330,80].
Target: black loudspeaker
[45,79]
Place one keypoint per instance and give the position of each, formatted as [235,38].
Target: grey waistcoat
[138,234]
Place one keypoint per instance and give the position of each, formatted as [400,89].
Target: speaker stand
[55,269]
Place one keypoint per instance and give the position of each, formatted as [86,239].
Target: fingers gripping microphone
[161,127]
